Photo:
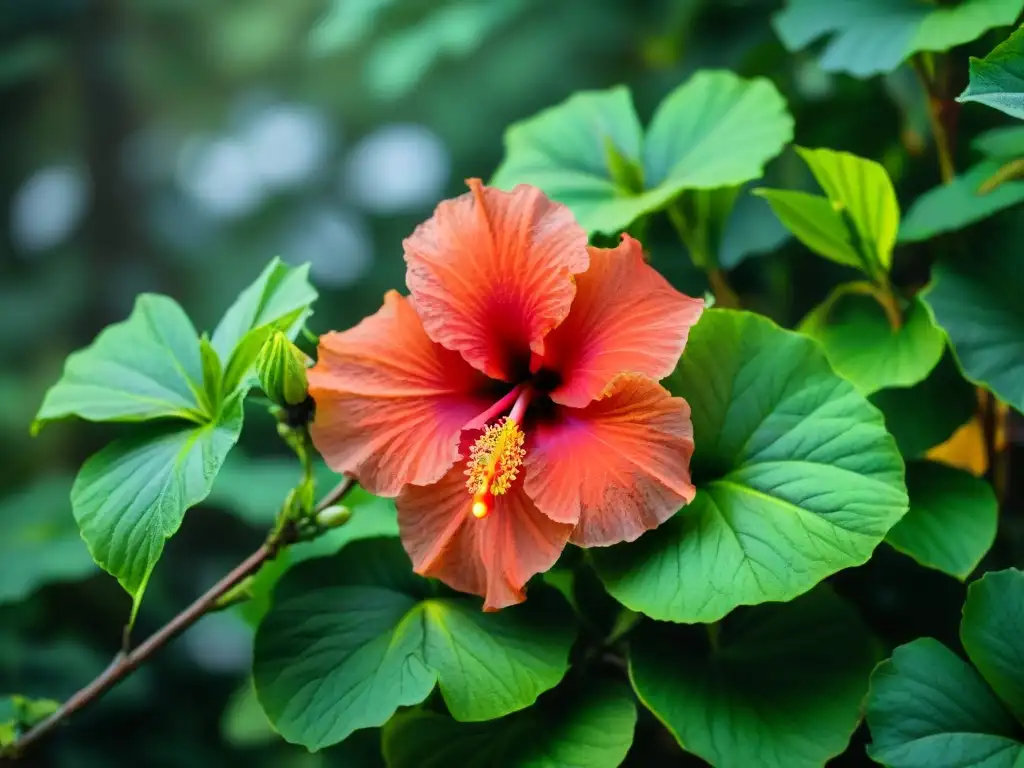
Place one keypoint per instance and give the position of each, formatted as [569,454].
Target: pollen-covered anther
[495,459]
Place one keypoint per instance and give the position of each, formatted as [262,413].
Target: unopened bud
[281,367]
[333,516]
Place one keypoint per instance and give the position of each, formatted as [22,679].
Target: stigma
[494,463]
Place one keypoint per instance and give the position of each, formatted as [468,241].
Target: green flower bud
[332,517]
[281,367]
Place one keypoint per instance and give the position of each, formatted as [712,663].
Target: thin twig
[126,663]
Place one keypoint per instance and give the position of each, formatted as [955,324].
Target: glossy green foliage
[361,627]
[796,478]
[928,707]
[998,79]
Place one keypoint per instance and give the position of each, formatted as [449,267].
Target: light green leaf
[715,130]
[978,304]
[132,496]
[213,374]
[796,478]
[869,37]
[927,708]
[961,202]
[992,632]
[352,638]
[145,367]
[928,413]
[19,713]
[864,348]
[243,723]
[39,541]
[998,79]
[815,223]
[781,689]
[575,726]
[279,299]
[952,519]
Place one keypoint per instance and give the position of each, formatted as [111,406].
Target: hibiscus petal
[491,274]
[626,317]
[390,403]
[620,466]
[493,557]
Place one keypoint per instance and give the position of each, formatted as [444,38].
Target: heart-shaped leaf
[715,130]
[781,687]
[796,478]
[952,519]
[991,632]
[575,725]
[863,346]
[352,638]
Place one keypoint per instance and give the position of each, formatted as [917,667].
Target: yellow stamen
[494,462]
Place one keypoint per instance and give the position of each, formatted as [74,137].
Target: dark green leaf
[953,206]
[574,726]
[869,37]
[952,519]
[992,632]
[781,689]
[146,367]
[132,496]
[39,540]
[998,79]
[352,638]
[927,708]
[978,303]
[796,478]
[928,413]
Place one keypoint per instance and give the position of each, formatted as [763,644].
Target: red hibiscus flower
[511,403]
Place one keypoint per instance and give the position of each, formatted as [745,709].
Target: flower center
[496,456]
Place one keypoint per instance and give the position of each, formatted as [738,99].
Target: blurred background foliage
[175,146]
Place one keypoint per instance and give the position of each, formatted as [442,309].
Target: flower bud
[333,516]
[281,367]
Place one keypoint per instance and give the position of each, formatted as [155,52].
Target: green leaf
[796,478]
[782,687]
[715,130]
[978,304]
[1006,143]
[145,367]
[998,79]
[815,223]
[952,519]
[132,496]
[213,374]
[19,713]
[992,632]
[583,725]
[352,638]
[278,300]
[39,541]
[243,723]
[953,206]
[863,347]
[869,37]
[928,413]
[927,708]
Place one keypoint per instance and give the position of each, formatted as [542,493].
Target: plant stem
[941,116]
[126,663]
[725,296]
